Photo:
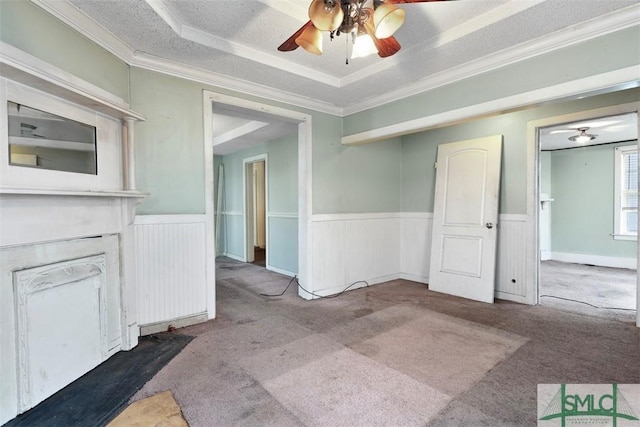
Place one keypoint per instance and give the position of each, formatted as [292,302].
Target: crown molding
[76,19]
[161,65]
[80,22]
[601,26]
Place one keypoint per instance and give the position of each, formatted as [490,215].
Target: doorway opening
[587,223]
[256,202]
[215,142]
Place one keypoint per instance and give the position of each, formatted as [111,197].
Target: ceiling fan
[371,24]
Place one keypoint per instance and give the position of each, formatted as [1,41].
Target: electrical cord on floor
[295,278]
[586,303]
[285,289]
[334,295]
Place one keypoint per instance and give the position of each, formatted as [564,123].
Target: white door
[463,248]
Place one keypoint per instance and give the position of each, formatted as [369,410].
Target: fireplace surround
[67,271]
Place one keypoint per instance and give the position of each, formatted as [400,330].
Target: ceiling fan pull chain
[346,49]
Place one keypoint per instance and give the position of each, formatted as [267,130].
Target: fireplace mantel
[88,193]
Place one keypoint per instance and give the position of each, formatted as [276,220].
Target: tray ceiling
[236,42]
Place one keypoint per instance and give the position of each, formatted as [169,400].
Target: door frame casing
[305,143]
[247,198]
[533,190]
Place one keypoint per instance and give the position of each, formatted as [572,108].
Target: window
[626,193]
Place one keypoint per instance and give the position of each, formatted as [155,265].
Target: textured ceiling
[238,39]
[235,42]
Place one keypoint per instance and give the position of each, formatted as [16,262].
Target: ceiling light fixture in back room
[370,23]
[583,136]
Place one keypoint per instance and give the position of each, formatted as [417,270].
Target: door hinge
[435,165]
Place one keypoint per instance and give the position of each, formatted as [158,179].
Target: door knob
[489,225]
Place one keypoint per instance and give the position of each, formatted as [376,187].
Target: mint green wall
[283,174]
[419,150]
[610,52]
[170,165]
[355,179]
[169,148]
[582,183]
[31,29]
[282,209]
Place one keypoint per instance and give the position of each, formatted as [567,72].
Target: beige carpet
[401,376]
[404,376]
[394,354]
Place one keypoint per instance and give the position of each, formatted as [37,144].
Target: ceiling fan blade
[386,47]
[290,44]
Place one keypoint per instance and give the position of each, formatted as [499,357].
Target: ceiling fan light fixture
[583,136]
[326,15]
[311,40]
[387,19]
[363,46]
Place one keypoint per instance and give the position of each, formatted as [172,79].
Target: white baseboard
[235,257]
[182,322]
[603,261]
[510,297]
[281,271]
[414,278]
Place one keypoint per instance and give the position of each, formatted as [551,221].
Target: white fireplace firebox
[67,208]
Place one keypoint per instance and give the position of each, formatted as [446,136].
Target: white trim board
[181,322]
[624,78]
[234,257]
[599,260]
[281,271]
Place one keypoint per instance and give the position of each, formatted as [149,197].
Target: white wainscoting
[511,258]
[415,246]
[349,248]
[386,246]
[171,258]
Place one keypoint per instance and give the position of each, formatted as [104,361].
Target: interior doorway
[587,212]
[256,202]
